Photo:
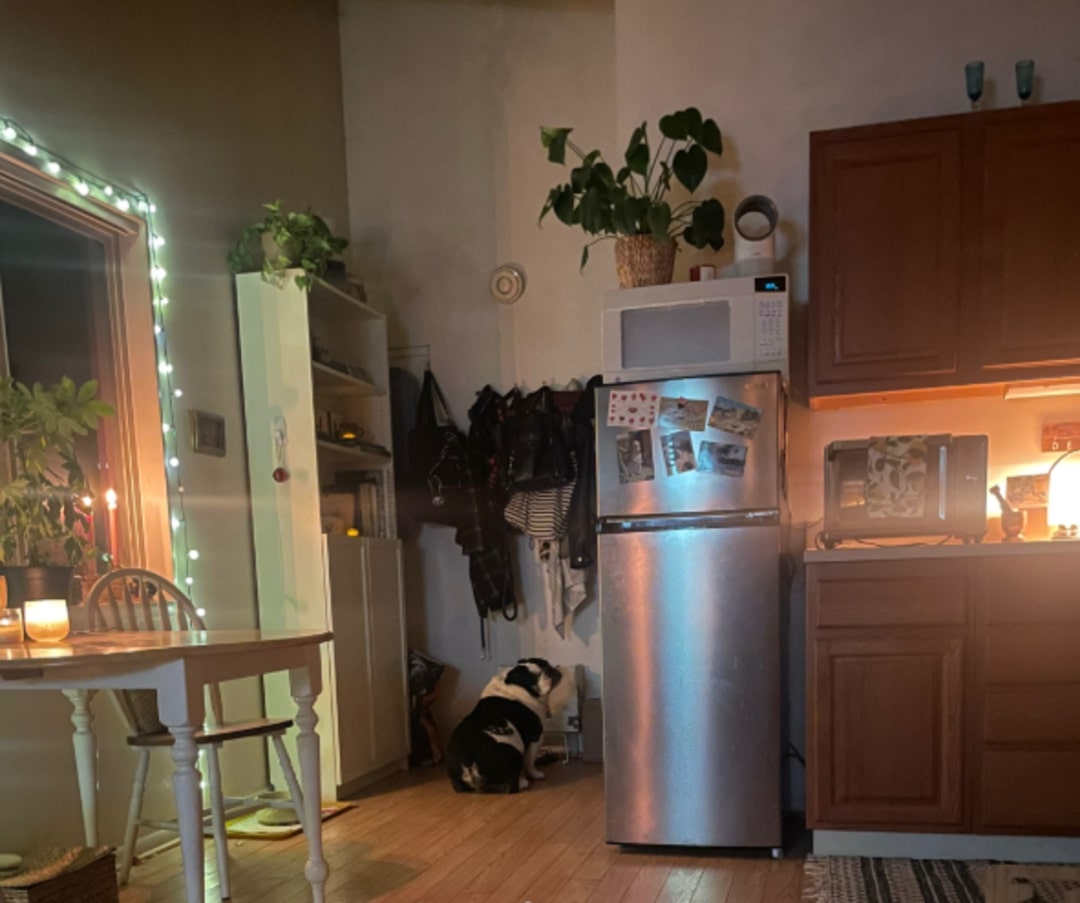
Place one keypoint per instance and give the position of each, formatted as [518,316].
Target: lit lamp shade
[46,620]
[1063,507]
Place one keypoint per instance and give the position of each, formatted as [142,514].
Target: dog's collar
[498,687]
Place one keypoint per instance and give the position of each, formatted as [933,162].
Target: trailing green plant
[633,201]
[40,518]
[303,240]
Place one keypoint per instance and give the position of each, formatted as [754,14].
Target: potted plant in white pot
[45,531]
[284,240]
[631,205]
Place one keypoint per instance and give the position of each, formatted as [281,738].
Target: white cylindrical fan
[755,222]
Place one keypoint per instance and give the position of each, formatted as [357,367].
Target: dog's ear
[521,676]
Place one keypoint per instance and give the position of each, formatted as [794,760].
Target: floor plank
[411,839]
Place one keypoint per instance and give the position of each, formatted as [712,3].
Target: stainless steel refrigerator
[690,496]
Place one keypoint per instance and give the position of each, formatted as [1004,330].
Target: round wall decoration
[507,283]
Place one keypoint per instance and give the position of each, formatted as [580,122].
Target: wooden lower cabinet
[944,695]
[887,729]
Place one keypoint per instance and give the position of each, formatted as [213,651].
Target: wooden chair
[135,599]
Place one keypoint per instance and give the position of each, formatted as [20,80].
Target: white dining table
[178,666]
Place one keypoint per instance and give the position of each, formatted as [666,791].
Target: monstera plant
[44,527]
[632,204]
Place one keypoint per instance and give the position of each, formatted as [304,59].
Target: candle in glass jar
[46,620]
[11,631]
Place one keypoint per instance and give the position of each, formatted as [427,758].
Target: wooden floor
[413,840]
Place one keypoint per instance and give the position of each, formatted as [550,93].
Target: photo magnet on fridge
[635,453]
[634,410]
[678,451]
[722,458]
[682,414]
[735,417]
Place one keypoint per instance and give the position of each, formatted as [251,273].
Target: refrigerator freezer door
[691,686]
[633,476]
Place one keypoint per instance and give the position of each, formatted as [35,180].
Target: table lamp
[1063,507]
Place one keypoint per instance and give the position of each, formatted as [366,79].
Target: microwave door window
[676,335]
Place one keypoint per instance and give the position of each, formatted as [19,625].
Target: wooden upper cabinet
[944,252]
[884,274]
[1029,318]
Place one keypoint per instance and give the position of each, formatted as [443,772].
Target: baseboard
[895,845]
[353,787]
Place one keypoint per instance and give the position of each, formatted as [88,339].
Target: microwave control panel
[771,327]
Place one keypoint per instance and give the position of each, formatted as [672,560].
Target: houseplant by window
[632,205]
[285,240]
[45,529]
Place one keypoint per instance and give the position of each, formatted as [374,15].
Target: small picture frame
[208,433]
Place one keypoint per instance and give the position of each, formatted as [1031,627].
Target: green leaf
[674,126]
[637,151]
[623,175]
[579,177]
[689,166]
[623,217]
[706,225]
[564,205]
[554,140]
[659,218]
[584,257]
[693,122]
[595,211]
[710,137]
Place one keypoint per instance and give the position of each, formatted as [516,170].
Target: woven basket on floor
[642,260]
[79,875]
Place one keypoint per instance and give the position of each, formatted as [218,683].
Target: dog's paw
[536,775]
[523,783]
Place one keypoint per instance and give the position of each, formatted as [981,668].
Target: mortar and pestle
[1012,519]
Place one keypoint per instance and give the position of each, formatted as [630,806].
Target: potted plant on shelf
[287,240]
[632,205]
[45,527]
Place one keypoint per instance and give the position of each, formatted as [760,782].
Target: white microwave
[737,325]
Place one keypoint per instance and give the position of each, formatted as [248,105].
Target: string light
[89,185]
[110,499]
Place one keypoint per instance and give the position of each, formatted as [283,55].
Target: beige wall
[211,108]
[443,103]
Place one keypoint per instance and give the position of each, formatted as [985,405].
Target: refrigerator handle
[784,443]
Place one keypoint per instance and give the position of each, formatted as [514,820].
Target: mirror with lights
[121,336]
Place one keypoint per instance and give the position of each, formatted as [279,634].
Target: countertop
[899,552]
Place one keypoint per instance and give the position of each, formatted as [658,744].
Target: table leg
[305,684]
[85,760]
[180,706]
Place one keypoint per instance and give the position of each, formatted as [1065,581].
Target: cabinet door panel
[1029,319]
[1029,791]
[352,712]
[884,282]
[389,701]
[885,719]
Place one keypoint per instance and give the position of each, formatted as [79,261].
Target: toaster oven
[886,487]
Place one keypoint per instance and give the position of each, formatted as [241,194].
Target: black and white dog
[494,749]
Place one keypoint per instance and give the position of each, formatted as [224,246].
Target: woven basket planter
[79,875]
[642,260]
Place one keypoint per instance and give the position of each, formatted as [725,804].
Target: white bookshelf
[351,585]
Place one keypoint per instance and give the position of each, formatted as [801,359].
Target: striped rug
[841,879]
